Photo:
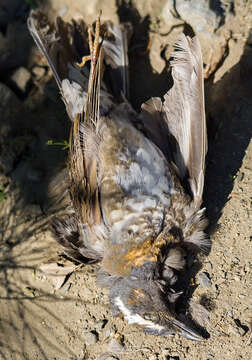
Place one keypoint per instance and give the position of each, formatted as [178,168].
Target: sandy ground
[39,321]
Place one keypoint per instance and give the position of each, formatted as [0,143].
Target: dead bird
[135,179]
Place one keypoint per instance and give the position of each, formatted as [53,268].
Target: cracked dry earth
[60,314]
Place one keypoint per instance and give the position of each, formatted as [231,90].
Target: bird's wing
[178,126]
[63,44]
[86,100]
[84,145]
[116,57]
[185,113]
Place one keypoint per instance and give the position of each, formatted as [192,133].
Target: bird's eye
[151,317]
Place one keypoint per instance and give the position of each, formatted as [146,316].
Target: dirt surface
[66,316]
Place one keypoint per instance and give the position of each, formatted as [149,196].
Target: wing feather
[185,113]
[116,55]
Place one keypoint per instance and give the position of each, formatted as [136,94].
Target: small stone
[63,290]
[197,13]
[38,72]
[153,357]
[21,78]
[208,266]
[240,176]
[100,325]
[115,346]
[237,330]
[109,332]
[204,280]
[233,329]
[241,331]
[91,338]
[111,358]
[210,356]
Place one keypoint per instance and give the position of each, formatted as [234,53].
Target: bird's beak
[187,331]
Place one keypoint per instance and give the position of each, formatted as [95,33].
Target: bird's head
[149,303]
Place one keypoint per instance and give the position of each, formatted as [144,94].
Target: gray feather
[45,38]
[116,55]
[199,314]
[59,50]
[175,259]
[185,113]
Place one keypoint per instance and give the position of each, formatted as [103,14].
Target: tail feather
[68,236]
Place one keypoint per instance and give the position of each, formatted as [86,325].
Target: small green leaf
[64,143]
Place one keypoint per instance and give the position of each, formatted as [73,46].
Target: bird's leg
[93,45]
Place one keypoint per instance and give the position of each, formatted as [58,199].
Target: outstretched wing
[185,113]
[82,96]
[178,126]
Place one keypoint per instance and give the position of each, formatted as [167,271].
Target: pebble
[204,280]
[153,357]
[236,330]
[210,356]
[197,13]
[115,346]
[100,325]
[240,176]
[208,266]
[21,78]
[63,290]
[38,72]
[109,332]
[91,338]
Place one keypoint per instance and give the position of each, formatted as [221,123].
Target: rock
[21,78]
[196,13]
[240,176]
[204,280]
[115,346]
[38,72]
[204,22]
[109,332]
[100,325]
[64,289]
[153,357]
[91,338]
